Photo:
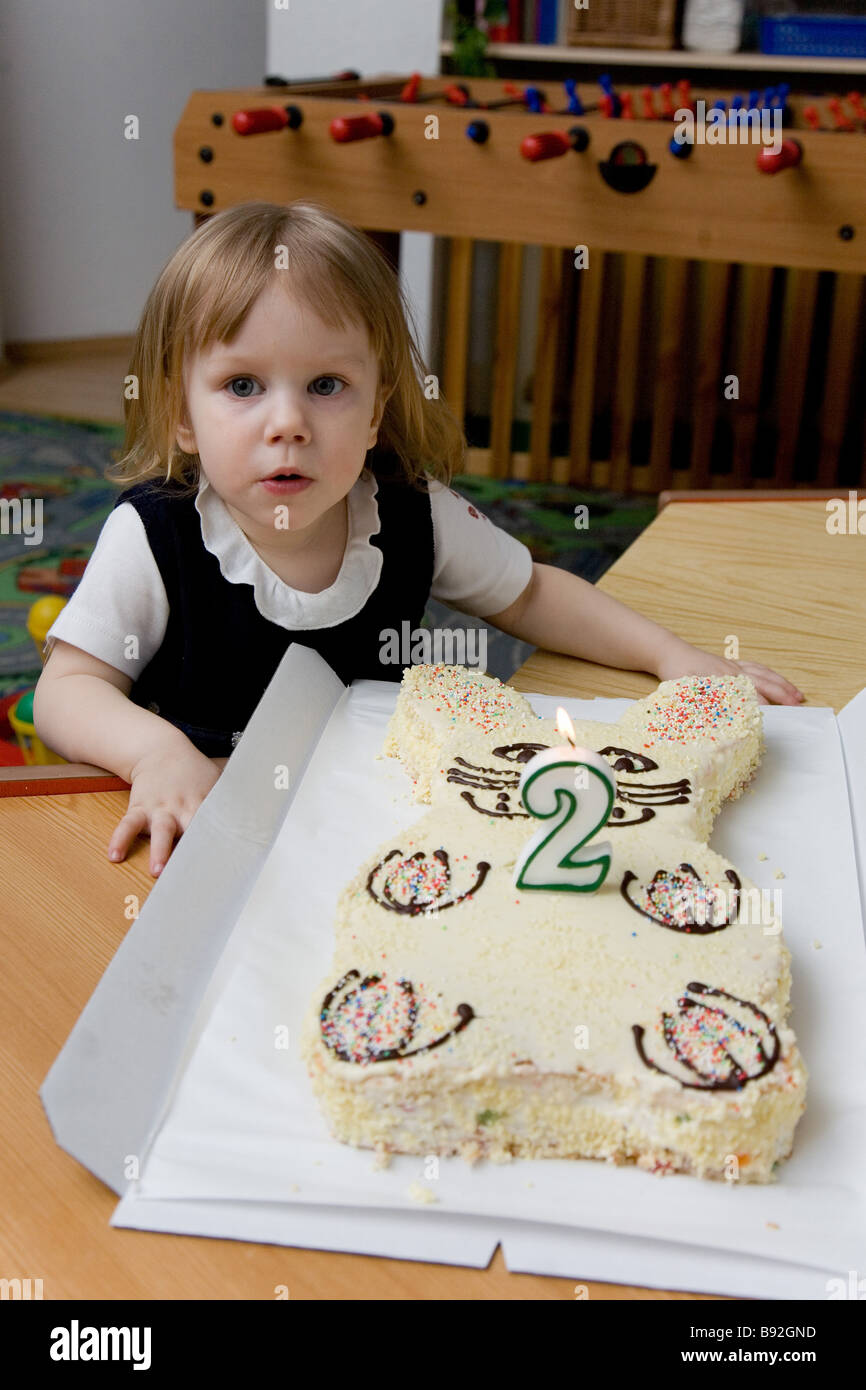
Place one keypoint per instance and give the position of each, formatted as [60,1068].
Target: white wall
[314,38]
[87,218]
[311,38]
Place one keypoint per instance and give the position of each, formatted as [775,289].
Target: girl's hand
[167,789]
[681,659]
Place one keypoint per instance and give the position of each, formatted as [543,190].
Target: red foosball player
[840,120]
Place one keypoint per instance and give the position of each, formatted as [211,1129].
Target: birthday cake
[643,1022]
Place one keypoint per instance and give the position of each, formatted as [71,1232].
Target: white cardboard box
[129,1079]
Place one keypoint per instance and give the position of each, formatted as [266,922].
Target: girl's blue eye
[333,386]
[244,396]
[333,380]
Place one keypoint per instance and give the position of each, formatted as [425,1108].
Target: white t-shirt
[478,568]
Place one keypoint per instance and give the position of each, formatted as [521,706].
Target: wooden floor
[81,386]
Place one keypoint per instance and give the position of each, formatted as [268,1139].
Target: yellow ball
[42,615]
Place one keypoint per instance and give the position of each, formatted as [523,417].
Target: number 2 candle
[574,788]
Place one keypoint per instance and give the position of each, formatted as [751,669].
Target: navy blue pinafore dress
[219,653]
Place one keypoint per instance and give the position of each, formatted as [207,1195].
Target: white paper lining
[243,1126]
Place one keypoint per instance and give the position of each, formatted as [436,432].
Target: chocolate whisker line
[500,771]
[656,787]
[506,782]
[650,797]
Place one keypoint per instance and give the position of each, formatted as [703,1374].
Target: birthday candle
[574,788]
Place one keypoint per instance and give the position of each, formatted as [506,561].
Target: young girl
[287,479]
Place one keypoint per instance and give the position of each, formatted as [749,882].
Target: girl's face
[287,395]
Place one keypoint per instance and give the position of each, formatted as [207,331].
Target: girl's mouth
[286,483]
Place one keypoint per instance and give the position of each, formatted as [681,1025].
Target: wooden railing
[793,338]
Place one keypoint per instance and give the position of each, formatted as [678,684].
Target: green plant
[470,42]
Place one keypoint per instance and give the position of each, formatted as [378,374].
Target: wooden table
[765,571]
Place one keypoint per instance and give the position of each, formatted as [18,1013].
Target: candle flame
[564,724]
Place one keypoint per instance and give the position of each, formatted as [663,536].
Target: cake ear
[436,703]
[710,725]
[695,709]
[439,699]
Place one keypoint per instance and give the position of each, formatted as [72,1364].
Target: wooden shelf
[664,58]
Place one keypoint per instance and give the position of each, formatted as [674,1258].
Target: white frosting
[557,982]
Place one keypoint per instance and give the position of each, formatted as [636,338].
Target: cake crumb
[817,945]
[530,1184]
[772,1225]
[382,1160]
[777,873]
[295,1187]
[421,1194]
[762,857]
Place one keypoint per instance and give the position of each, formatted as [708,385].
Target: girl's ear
[373,436]
[185,436]
[382,396]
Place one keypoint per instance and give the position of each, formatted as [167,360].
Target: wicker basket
[625,24]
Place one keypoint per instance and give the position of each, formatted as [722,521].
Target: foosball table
[723,181]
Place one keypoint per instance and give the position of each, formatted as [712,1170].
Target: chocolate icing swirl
[691,885]
[705,1040]
[422,898]
[352,1028]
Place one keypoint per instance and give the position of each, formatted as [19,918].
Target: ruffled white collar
[292,608]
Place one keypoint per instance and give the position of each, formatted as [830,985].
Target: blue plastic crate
[815,35]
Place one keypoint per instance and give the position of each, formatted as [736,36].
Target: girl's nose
[287,418]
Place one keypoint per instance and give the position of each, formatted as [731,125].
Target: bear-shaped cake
[644,1022]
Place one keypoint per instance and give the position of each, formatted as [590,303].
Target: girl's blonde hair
[204,294]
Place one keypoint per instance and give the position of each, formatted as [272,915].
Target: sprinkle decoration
[680,900]
[377,1019]
[464,695]
[676,900]
[703,708]
[416,883]
[723,1051]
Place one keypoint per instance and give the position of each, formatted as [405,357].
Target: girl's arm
[82,710]
[561,612]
